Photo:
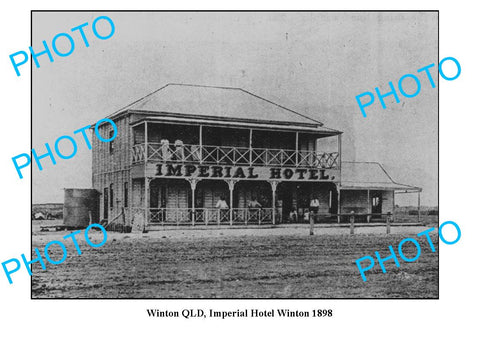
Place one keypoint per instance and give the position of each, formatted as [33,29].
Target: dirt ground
[236,263]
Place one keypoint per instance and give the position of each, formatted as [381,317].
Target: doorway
[376,203]
[105,203]
[286,202]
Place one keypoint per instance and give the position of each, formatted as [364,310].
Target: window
[111,196]
[125,194]
[138,135]
[110,144]
[375,201]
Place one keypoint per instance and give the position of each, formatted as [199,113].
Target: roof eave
[195,118]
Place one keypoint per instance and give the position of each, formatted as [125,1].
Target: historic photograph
[235,155]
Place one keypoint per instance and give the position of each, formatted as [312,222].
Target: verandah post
[338,204]
[146,179]
[146,203]
[200,142]
[274,190]
[393,206]
[231,187]
[250,147]
[369,207]
[418,206]
[296,148]
[193,204]
[193,185]
[388,222]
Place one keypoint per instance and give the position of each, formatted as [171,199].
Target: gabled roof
[218,103]
[370,175]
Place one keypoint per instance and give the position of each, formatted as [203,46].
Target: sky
[313,63]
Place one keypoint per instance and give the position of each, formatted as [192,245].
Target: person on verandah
[314,205]
[165,148]
[293,216]
[179,150]
[254,204]
[254,209]
[223,207]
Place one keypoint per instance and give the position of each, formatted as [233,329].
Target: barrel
[79,206]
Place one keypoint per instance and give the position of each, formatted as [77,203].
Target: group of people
[311,213]
[177,153]
[293,215]
[167,154]
[252,204]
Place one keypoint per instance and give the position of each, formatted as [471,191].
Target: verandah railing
[231,155]
[252,216]
[209,216]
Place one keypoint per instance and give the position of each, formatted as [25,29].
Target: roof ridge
[208,86]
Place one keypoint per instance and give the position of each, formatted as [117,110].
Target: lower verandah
[170,201]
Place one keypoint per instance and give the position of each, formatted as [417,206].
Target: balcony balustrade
[231,155]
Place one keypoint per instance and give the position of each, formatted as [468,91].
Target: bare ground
[255,263]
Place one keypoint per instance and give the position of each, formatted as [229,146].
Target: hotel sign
[162,170]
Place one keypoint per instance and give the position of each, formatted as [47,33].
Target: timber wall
[112,168]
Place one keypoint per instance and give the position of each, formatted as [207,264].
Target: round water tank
[79,206]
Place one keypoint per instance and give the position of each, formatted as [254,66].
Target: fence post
[388,223]
[312,221]
[352,222]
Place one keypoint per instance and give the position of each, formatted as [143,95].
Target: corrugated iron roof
[210,102]
[370,175]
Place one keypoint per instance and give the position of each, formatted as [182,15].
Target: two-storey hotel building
[203,155]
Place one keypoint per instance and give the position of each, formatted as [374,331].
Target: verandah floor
[157,227]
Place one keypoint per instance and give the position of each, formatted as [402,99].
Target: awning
[370,176]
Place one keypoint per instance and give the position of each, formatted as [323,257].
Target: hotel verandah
[183,147]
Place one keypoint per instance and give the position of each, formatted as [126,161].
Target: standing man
[254,204]
[314,206]
[254,209]
[222,207]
